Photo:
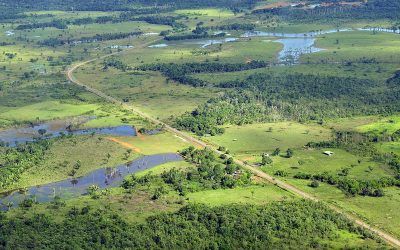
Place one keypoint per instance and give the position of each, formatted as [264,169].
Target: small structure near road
[328,153]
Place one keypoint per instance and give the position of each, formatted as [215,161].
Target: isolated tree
[266,159]
[276,152]
[9,205]
[92,189]
[314,184]
[78,164]
[289,153]
[42,131]
[108,156]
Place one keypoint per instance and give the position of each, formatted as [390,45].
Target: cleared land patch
[259,138]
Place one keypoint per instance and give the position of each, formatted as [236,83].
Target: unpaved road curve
[70,75]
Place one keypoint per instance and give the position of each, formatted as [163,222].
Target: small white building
[328,153]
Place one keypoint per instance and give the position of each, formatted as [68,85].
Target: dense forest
[289,225]
[231,108]
[373,9]
[299,97]
[123,17]
[180,72]
[15,161]
[54,42]
[119,5]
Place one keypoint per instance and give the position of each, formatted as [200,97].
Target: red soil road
[70,75]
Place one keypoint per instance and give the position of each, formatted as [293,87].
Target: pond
[203,43]
[13,136]
[294,44]
[297,44]
[162,45]
[103,178]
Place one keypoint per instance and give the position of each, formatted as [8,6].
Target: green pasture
[389,147]
[75,32]
[254,194]
[47,110]
[147,91]
[158,170]
[356,45]
[154,144]
[380,212]
[68,14]
[265,137]
[350,123]
[387,125]
[206,12]
[313,161]
[243,50]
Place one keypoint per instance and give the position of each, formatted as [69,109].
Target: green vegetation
[193,225]
[328,124]
[243,195]
[259,138]
[388,125]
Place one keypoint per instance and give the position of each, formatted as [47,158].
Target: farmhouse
[328,153]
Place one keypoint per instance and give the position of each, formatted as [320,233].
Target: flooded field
[102,178]
[13,136]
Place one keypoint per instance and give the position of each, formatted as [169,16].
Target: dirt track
[390,239]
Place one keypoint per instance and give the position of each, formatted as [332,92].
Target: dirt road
[70,74]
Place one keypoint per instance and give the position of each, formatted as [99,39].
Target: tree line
[373,9]
[181,72]
[191,36]
[58,24]
[352,186]
[138,6]
[54,42]
[298,97]
[123,17]
[281,225]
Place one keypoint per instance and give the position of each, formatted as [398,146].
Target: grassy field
[388,125]
[357,45]
[379,212]
[206,12]
[63,155]
[186,51]
[153,144]
[47,111]
[389,147]
[260,138]
[182,165]
[314,162]
[147,91]
[255,194]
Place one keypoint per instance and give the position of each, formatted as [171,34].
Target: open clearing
[259,138]
[256,194]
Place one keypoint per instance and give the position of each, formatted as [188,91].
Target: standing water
[103,178]
[52,129]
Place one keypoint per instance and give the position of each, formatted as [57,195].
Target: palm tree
[9,205]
